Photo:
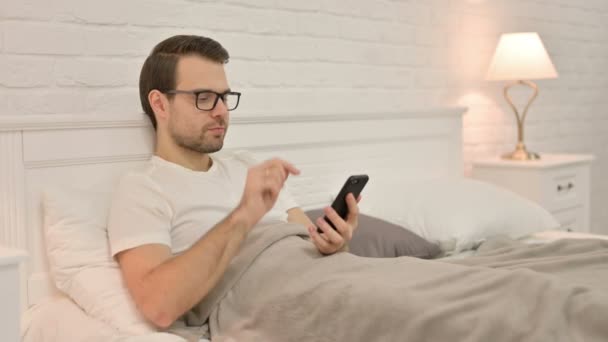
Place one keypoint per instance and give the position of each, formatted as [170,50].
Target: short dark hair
[158,71]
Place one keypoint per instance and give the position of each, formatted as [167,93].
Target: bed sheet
[553,235]
[542,237]
[59,319]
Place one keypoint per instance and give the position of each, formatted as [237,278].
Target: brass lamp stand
[520,56]
[520,152]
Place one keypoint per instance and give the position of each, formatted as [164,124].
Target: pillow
[79,258]
[460,213]
[376,238]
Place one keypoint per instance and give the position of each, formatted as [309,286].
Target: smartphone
[354,184]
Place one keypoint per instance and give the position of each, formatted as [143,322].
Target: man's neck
[189,159]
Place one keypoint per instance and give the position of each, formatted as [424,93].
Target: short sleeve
[139,214]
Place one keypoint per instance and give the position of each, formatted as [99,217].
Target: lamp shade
[520,56]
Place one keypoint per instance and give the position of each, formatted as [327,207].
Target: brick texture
[327,56]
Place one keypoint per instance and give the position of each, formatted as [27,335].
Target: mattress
[59,319]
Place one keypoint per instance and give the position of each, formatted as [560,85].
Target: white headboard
[90,152]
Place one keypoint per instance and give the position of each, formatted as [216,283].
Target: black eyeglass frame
[197,93]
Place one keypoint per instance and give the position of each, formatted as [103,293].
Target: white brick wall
[327,56]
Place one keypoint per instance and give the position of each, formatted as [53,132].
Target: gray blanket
[279,288]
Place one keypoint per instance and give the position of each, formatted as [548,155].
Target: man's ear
[160,105]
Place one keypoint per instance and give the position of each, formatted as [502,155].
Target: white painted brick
[429,78]
[45,101]
[298,74]
[214,16]
[25,71]
[97,72]
[27,9]
[362,9]
[317,49]
[43,38]
[103,12]
[116,101]
[309,5]
[312,5]
[323,100]
[431,36]
[269,47]
[156,13]
[111,41]
[415,12]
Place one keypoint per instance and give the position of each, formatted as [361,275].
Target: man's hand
[263,185]
[331,241]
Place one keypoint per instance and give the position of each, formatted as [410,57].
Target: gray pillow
[376,238]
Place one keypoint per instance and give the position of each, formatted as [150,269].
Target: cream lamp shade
[520,58]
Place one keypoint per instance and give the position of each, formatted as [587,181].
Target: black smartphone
[354,184]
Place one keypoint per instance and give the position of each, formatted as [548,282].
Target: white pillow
[79,258]
[460,213]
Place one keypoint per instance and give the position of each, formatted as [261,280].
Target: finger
[344,229]
[353,208]
[276,178]
[331,234]
[359,198]
[289,167]
[322,245]
[274,184]
[277,168]
[333,216]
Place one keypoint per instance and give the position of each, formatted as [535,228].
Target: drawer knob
[569,186]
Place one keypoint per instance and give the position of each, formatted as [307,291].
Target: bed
[89,153]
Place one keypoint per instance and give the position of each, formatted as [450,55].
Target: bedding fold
[280,288]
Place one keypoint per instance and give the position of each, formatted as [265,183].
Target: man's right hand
[262,188]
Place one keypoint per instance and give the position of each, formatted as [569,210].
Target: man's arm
[164,287]
[297,215]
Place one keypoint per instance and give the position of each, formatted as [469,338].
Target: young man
[211,237]
[185,209]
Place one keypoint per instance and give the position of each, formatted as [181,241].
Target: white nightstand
[10,309]
[558,182]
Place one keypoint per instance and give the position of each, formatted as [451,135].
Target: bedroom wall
[320,56]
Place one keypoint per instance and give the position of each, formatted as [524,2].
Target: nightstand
[10,309]
[558,182]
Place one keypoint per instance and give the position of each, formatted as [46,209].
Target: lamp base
[521,153]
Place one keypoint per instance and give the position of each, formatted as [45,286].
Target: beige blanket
[279,288]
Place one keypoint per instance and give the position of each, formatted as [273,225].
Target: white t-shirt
[168,204]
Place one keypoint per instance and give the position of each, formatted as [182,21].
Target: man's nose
[220,108]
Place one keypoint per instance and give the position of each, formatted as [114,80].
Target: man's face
[190,127]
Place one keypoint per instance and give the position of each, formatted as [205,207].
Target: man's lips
[217,129]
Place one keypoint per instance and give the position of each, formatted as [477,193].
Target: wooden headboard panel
[91,152]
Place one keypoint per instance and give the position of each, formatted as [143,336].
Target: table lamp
[520,57]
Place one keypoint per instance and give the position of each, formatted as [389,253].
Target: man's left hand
[333,240]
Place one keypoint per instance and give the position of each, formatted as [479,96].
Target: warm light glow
[520,56]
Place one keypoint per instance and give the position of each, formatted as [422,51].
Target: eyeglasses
[207,99]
